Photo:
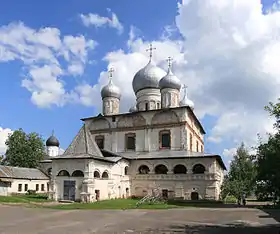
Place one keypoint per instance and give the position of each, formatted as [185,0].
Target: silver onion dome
[133,109]
[52,141]
[110,90]
[147,77]
[170,81]
[186,101]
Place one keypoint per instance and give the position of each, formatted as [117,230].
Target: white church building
[157,144]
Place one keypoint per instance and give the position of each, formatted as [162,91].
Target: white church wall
[70,166]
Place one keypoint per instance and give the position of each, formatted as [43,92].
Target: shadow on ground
[219,204]
[230,229]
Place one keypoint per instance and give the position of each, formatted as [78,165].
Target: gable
[136,120]
[165,117]
[83,144]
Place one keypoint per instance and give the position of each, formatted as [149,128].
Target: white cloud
[4,133]
[100,21]
[229,152]
[47,57]
[228,57]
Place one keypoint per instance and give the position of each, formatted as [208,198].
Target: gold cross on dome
[169,60]
[111,71]
[151,50]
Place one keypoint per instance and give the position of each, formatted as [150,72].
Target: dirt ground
[22,220]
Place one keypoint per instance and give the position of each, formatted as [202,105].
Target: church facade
[157,145]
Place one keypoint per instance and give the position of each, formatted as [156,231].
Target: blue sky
[142,22]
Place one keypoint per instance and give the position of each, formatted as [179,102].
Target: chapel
[158,144]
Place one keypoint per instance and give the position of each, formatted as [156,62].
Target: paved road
[20,220]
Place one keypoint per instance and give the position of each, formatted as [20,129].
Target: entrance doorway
[97,194]
[127,192]
[165,194]
[69,190]
[194,196]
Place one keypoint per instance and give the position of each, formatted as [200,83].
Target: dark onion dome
[52,141]
[147,77]
[110,90]
[133,109]
[170,81]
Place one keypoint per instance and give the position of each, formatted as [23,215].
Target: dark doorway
[69,190]
[165,194]
[194,196]
[97,194]
[127,192]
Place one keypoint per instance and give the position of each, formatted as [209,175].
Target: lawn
[117,204]
[24,199]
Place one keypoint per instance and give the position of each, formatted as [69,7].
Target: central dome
[147,77]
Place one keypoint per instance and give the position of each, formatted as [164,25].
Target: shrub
[31,192]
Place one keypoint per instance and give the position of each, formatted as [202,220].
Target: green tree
[1,159]
[268,160]
[24,150]
[241,176]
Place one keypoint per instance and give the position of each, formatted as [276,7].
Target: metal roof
[22,173]
[171,154]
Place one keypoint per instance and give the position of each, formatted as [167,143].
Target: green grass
[24,199]
[117,204]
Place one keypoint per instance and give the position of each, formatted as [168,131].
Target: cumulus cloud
[4,133]
[98,21]
[228,57]
[47,57]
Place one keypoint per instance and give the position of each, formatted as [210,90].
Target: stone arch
[180,169]
[105,175]
[161,169]
[100,123]
[96,174]
[127,121]
[78,173]
[165,117]
[63,173]
[194,195]
[198,169]
[126,170]
[143,169]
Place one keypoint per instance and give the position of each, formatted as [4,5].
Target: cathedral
[158,144]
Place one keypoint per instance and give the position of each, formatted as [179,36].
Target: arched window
[198,169]
[126,170]
[146,106]
[49,171]
[196,146]
[161,169]
[143,169]
[78,173]
[96,174]
[63,173]
[191,145]
[105,175]
[164,139]
[180,169]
